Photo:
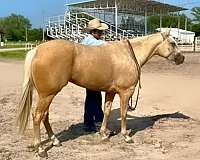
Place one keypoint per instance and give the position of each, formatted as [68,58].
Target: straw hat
[96,24]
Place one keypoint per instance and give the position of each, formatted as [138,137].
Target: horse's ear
[170,28]
[166,34]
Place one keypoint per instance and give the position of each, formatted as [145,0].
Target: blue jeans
[93,111]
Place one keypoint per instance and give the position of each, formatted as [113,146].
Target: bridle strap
[136,62]
[139,75]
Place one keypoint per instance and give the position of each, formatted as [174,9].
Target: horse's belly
[92,81]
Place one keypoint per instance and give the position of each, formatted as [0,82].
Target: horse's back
[52,65]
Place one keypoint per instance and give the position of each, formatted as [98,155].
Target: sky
[37,10]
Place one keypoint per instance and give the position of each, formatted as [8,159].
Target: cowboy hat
[96,24]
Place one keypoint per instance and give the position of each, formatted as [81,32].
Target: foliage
[170,20]
[35,34]
[196,29]
[15,27]
[196,20]
[132,24]
[196,14]
[18,28]
[2,29]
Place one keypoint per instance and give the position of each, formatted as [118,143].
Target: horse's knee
[37,117]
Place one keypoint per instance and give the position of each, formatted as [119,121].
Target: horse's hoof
[57,143]
[105,138]
[42,153]
[128,139]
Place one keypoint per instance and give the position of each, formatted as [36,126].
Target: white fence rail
[189,47]
[18,46]
[193,47]
[29,46]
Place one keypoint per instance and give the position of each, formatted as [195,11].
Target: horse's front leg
[107,108]
[124,99]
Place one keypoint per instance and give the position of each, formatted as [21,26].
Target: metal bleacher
[71,26]
[134,14]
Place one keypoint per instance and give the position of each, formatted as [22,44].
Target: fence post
[194,49]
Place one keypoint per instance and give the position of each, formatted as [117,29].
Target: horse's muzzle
[179,58]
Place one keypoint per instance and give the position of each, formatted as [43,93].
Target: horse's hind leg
[39,113]
[49,130]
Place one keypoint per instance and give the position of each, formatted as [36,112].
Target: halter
[139,75]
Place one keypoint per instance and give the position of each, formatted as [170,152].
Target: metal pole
[145,21]
[43,30]
[69,18]
[116,12]
[160,21]
[178,25]
[26,34]
[76,23]
[44,25]
[186,23]
[194,48]
[104,15]
[76,19]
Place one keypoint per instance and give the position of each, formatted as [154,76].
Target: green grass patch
[13,54]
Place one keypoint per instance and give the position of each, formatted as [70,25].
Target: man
[93,115]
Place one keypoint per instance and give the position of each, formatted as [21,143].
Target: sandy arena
[165,125]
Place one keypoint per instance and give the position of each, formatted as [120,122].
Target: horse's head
[169,49]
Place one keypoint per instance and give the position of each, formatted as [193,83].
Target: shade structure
[136,7]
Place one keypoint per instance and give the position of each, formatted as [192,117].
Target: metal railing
[71,25]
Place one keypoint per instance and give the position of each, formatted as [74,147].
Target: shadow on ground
[134,123]
[73,132]
[137,124]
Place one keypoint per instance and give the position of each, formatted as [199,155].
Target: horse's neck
[144,47]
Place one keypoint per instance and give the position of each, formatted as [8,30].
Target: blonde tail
[25,102]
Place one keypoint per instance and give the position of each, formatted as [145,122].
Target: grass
[13,54]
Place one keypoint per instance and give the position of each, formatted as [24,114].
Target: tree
[170,20]
[196,14]
[18,28]
[35,34]
[15,27]
[196,29]
[196,20]
[2,30]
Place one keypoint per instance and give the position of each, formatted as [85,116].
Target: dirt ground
[165,125]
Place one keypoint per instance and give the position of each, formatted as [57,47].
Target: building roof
[136,7]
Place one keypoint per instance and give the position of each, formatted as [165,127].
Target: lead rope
[139,81]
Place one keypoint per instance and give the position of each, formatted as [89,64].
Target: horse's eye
[173,44]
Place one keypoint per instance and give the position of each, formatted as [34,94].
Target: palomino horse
[110,68]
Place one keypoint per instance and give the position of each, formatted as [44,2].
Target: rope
[139,75]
